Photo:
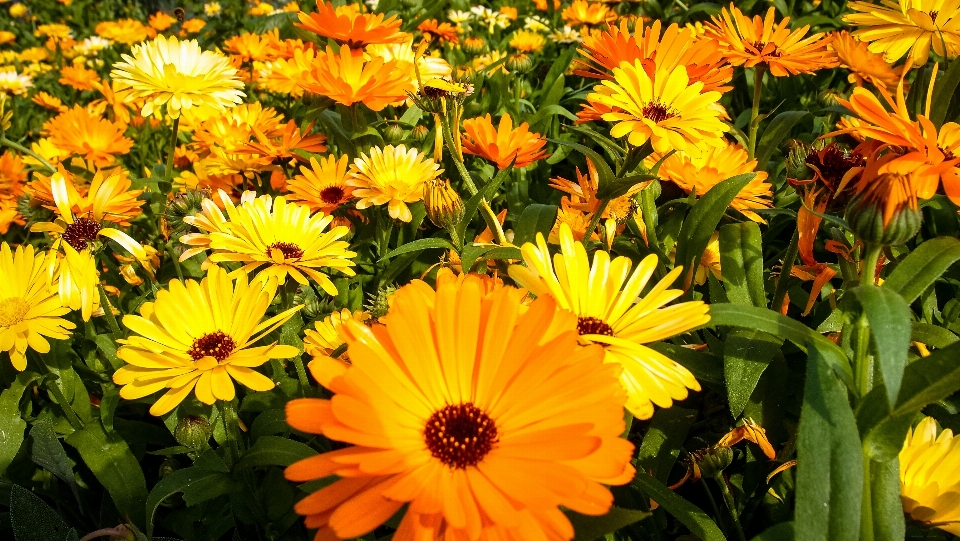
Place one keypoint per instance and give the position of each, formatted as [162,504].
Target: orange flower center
[657,112]
[592,325]
[81,232]
[461,435]
[331,195]
[288,249]
[218,345]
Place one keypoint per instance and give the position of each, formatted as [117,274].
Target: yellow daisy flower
[198,337]
[928,484]
[392,176]
[527,41]
[329,334]
[605,298]
[908,27]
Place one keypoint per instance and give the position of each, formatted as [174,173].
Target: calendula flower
[211,9]
[908,27]
[78,77]
[502,145]
[192,26]
[53,31]
[7,37]
[476,452]
[392,176]
[665,109]
[404,56]
[13,83]
[198,337]
[180,76]
[864,65]
[347,78]
[96,139]
[347,26]
[605,298]
[322,186]
[48,102]
[924,491]
[442,32]
[161,21]
[699,171]
[251,47]
[761,41]
[30,309]
[283,76]
[91,46]
[582,195]
[233,130]
[261,8]
[583,12]
[128,31]
[328,335]
[12,174]
[527,41]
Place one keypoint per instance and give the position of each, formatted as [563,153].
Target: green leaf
[33,520]
[47,452]
[829,460]
[931,335]
[274,451]
[944,91]
[621,186]
[268,423]
[704,366]
[663,441]
[702,221]
[780,532]
[504,252]
[922,267]
[688,514]
[889,319]
[929,379]
[197,486]
[741,258]
[746,354]
[486,192]
[536,218]
[110,460]
[420,245]
[888,522]
[776,131]
[605,174]
[588,528]
[12,424]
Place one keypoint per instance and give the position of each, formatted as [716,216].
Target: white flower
[14,83]
[536,23]
[567,35]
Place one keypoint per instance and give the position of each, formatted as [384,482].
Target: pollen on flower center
[81,232]
[331,195]
[592,325]
[759,46]
[12,311]
[288,249]
[461,435]
[218,345]
[657,112]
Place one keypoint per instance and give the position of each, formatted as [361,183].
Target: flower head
[927,464]
[347,78]
[78,131]
[330,334]
[392,176]
[442,32]
[13,83]
[583,12]
[502,145]
[322,186]
[128,31]
[527,41]
[908,27]
[347,26]
[864,65]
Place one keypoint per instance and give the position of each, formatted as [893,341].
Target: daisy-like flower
[161,21]
[864,65]
[347,78]
[925,492]
[582,195]
[108,196]
[48,102]
[211,9]
[282,149]
[502,145]
[192,26]
[78,77]
[322,186]
[481,433]
[179,75]
[30,309]
[127,31]
[527,41]
[77,131]
[665,109]
[329,334]
[347,26]
[908,27]
[270,232]
[251,47]
[442,32]
[13,83]
[283,76]
[12,174]
[234,129]
[566,35]
[53,31]
[91,46]
[699,171]
[7,37]
[198,337]
[392,176]
[748,42]
[583,12]
[605,298]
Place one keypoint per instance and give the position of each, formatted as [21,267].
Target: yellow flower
[403,53]
[48,102]
[927,484]
[283,236]
[7,37]
[527,41]
[330,333]
[211,9]
[323,186]
[605,298]
[180,75]
[666,110]
[29,307]
[128,31]
[13,83]
[898,28]
[863,64]
[392,176]
[198,337]
[53,31]
[581,12]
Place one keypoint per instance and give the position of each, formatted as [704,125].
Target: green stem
[863,361]
[17,146]
[173,148]
[595,219]
[731,506]
[868,275]
[228,414]
[781,290]
[517,92]
[176,260]
[755,110]
[866,504]
[108,311]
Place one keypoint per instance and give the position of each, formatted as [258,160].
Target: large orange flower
[347,26]
[323,186]
[503,144]
[80,132]
[864,65]
[483,434]
[347,78]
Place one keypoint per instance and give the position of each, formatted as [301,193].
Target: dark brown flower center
[947,153]
[331,195]
[760,45]
[592,325]
[832,163]
[288,249]
[460,436]
[933,15]
[81,232]
[657,112]
[218,345]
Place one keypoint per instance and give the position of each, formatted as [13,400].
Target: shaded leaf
[889,319]
[741,261]
[33,520]
[746,354]
[588,528]
[922,267]
[688,514]
[274,451]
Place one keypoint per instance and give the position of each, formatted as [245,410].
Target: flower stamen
[460,436]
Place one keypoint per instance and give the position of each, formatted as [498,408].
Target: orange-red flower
[77,131]
[347,78]
[442,32]
[502,145]
[347,26]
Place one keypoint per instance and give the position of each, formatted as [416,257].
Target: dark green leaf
[605,174]
[741,258]
[780,532]
[268,423]
[536,218]
[487,192]
[420,245]
[776,131]
[663,441]
[889,319]
[746,354]
[888,523]
[922,267]
[504,252]
[47,452]
[197,486]
[944,91]
[33,520]
[688,514]
[12,424]
[274,451]
[931,335]
[621,186]
[929,379]
[588,528]
[703,365]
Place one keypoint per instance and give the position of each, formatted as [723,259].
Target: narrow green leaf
[746,354]
[12,424]
[703,365]
[829,461]
[663,441]
[196,484]
[269,423]
[621,186]
[47,452]
[889,319]
[776,131]
[780,532]
[881,433]
[487,192]
[588,528]
[931,335]
[922,267]
[33,520]
[929,379]
[605,174]
[420,245]
[688,514]
[888,522]
[944,92]
[702,221]
[504,252]
[536,218]
[274,451]
[741,258]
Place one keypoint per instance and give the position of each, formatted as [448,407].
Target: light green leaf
[888,522]
[420,245]
[536,218]
[889,319]
[929,379]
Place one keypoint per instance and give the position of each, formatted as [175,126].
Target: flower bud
[181,206]
[420,133]
[193,432]
[520,63]
[393,133]
[443,203]
[473,45]
[715,460]
[885,212]
[379,302]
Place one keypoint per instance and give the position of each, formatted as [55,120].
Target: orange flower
[323,186]
[759,41]
[283,76]
[77,131]
[113,99]
[582,12]
[12,174]
[78,77]
[161,21]
[442,32]
[192,26]
[582,195]
[347,26]
[510,11]
[347,78]
[128,31]
[253,47]
[109,193]
[863,64]
[235,128]
[290,139]
[48,102]
[503,144]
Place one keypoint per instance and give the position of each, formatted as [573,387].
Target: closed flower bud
[181,206]
[521,63]
[193,432]
[443,203]
[885,212]
[420,133]
[393,133]
[379,302]
[715,460]
[473,45]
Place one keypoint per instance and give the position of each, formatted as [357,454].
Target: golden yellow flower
[328,335]
[403,53]
[863,64]
[666,110]
[7,37]
[29,307]
[78,77]
[251,47]
[128,31]
[48,102]
[9,214]
[79,132]
[53,31]
[18,10]
[161,21]
[262,8]
[581,12]
[198,337]
[283,75]
[605,297]
[908,27]
[582,195]
[347,26]
[347,78]
[502,145]
[192,26]
[527,41]
[926,493]
[180,75]
[392,176]
[323,186]
[211,9]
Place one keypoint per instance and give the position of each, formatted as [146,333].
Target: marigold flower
[392,176]
[323,186]
[7,37]
[180,75]
[472,442]
[78,77]
[582,195]
[284,75]
[502,145]
[442,32]
[864,65]
[347,26]
[908,27]
[612,313]
[347,78]
[53,31]
[192,26]
[330,333]
[79,132]
[924,491]
[583,12]
[198,337]
[128,31]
